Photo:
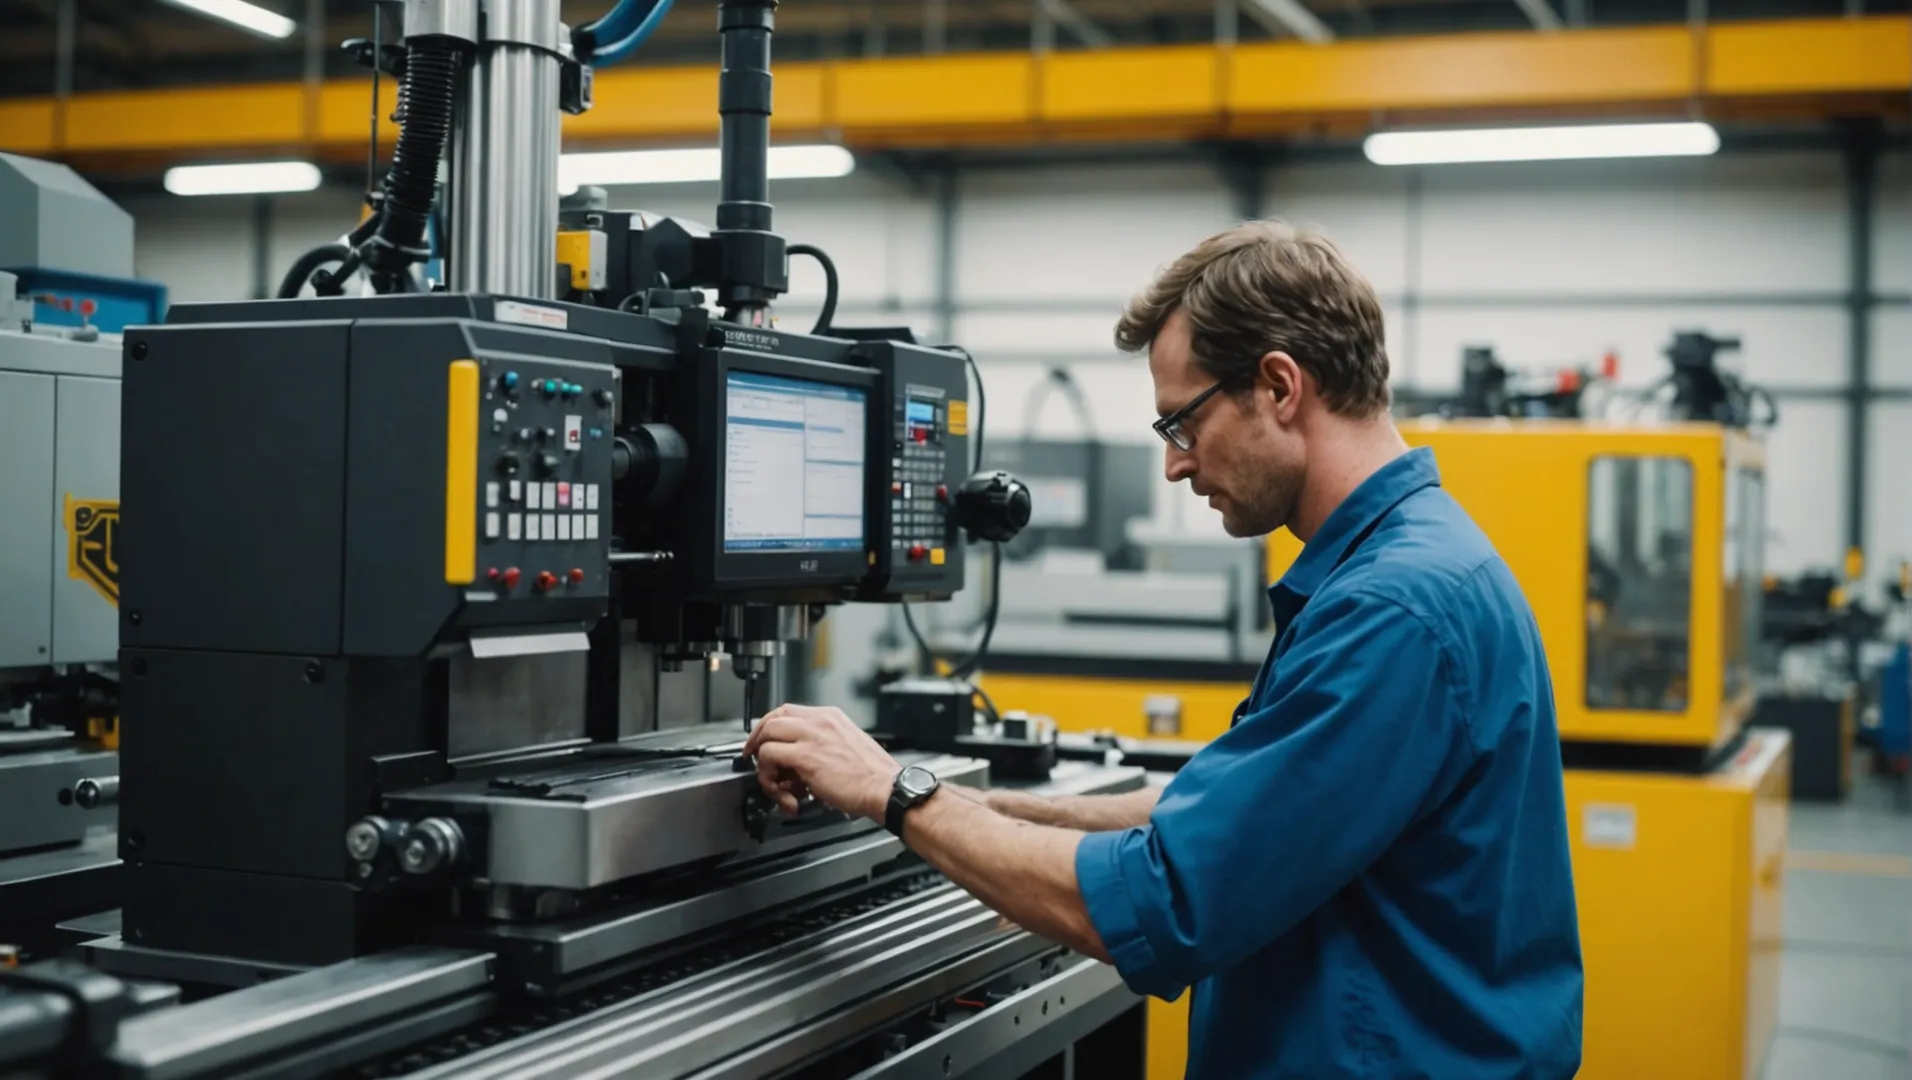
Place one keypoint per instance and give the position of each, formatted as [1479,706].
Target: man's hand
[813,750]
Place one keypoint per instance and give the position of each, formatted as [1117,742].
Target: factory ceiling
[123,44]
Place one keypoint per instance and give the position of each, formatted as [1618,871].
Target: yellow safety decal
[937,556]
[92,526]
[461,473]
[574,250]
[959,418]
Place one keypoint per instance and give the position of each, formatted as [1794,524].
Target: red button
[88,307]
[921,435]
[917,551]
[896,487]
[942,493]
[576,575]
[492,574]
[511,578]
[546,580]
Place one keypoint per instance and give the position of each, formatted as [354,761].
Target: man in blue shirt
[1368,874]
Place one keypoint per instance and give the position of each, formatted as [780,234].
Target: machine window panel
[1639,583]
[1745,568]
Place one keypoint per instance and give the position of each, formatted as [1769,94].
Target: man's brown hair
[1266,286]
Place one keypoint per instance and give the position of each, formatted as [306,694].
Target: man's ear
[1282,378]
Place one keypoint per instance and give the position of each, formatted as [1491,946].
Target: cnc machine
[402,573]
[66,288]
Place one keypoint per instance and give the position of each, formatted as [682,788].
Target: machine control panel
[544,476]
[922,455]
[920,491]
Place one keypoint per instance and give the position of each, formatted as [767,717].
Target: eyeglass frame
[1168,426]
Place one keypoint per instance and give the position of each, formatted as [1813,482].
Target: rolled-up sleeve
[1357,735]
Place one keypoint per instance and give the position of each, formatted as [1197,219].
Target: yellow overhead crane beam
[1794,67]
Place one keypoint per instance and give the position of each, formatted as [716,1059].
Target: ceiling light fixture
[1541,143]
[249,178]
[250,17]
[617,168]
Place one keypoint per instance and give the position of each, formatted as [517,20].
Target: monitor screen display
[793,464]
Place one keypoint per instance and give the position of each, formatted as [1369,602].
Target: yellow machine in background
[1640,551]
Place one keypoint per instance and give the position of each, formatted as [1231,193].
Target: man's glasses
[1173,427]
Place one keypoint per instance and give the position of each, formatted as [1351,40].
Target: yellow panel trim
[461,472]
[959,418]
[938,556]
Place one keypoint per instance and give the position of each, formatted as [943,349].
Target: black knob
[548,434]
[992,506]
[508,464]
[524,435]
[548,465]
[604,398]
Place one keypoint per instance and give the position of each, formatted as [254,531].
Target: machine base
[1679,880]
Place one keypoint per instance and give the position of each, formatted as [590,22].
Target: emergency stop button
[546,581]
[917,551]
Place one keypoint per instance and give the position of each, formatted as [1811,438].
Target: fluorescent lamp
[695,166]
[242,15]
[1541,143]
[249,178]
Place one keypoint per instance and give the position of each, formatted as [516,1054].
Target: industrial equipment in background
[1826,674]
[1651,630]
[65,291]
[1490,389]
[399,793]
[1108,622]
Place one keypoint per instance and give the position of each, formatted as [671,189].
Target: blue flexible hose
[610,51]
[621,20]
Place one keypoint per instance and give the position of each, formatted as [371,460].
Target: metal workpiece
[543,955]
[220,1034]
[459,20]
[583,820]
[700,1021]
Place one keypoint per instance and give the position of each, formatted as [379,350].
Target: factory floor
[1845,990]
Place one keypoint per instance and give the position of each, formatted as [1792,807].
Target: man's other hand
[816,750]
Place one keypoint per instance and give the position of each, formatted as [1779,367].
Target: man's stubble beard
[1271,493]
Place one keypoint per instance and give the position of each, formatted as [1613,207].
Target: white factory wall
[1553,265]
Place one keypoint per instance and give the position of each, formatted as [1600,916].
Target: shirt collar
[1350,521]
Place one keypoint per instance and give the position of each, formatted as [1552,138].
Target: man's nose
[1177,465]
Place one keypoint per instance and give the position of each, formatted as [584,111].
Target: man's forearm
[1023,871]
[1083,813]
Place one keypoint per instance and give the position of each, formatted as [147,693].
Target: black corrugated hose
[411,184]
[301,272]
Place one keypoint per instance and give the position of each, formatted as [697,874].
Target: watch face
[916,781]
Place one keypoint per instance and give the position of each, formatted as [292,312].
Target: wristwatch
[911,787]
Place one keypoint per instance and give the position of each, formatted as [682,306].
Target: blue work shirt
[1368,875]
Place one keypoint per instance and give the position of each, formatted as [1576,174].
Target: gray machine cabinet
[86,469]
[59,438]
[27,518]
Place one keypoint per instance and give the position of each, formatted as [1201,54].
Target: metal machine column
[504,190]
